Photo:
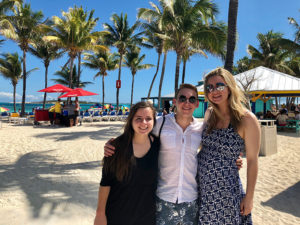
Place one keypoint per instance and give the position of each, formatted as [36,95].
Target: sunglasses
[219,87]
[183,98]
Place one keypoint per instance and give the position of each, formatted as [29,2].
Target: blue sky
[254,16]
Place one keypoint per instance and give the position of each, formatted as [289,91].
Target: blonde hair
[236,99]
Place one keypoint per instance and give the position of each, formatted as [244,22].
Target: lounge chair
[97,116]
[87,116]
[124,117]
[4,116]
[105,116]
[113,116]
[15,118]
[119,115]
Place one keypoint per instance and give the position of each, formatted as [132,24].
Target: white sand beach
[50,176]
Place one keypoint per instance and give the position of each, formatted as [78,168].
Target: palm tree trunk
[231,34]
[24,84]
[14,96]
[79,65]
[119,78]
[183,71]
[154,77]
[71,72]
[177,72]
[132,85]
[103,92]
[161,79]
[46,84]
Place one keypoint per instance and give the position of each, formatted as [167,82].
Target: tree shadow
[286,201]
[48,183]
[103,134]
[288,133]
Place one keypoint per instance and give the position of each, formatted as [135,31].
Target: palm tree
[46,52]
[133,61]
[231,34]
[24,25]
[11,68]
[152,27]
[64,77]
[122,36]
[74,34]
[190,51]
[297,28]
[242,65]
[102,61]
[274,52]
[192,25]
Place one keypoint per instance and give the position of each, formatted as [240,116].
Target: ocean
[30,106]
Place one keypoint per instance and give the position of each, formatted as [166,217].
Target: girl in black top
[127,188]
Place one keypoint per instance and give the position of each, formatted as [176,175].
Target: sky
[254,16]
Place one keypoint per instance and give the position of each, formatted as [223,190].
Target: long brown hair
[236,100]
[120,163]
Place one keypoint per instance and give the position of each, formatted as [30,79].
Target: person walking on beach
[129,177]
[180,138]
[229,128]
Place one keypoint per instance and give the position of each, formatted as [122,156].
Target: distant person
[165,112]
[282,117]
[293,107]
[167,106]
[77,110]
[58,108]
[51,114]
[297,115]
[269,115]
[128,184]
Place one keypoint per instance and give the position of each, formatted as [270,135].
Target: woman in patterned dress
[229,129]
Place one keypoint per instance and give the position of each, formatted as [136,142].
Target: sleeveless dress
[220,187]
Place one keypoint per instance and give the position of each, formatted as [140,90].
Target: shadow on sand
[103,134]
[286,201]
[48,183]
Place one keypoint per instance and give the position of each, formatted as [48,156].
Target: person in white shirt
[180,137]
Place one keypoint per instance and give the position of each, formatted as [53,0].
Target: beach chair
[30,117]
[97,116]
[119,115]
[4,116]
[87,117]
[113,116]
[124,117]
[105,116]
[16,119]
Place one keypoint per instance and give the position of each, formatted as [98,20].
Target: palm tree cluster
[274,52]
[186,27]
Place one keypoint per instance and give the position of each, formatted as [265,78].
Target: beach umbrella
[77,92]
[56,88]
[2,109]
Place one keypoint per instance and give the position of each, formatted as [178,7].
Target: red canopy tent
[77,92]
[56,88]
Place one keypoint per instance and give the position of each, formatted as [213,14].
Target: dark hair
[120,163]
[187,86]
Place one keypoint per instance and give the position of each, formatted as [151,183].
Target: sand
[50,175]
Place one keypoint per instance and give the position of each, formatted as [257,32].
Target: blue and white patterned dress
[220,187]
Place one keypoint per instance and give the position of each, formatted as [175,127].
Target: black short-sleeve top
[132,201]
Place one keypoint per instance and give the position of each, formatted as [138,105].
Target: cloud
[4,96]
[8,97]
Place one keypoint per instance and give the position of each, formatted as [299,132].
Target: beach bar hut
[262,83]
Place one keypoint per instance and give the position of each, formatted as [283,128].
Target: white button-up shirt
[177,160]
